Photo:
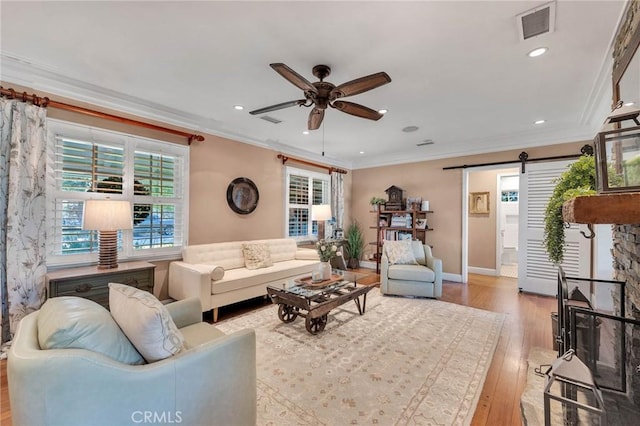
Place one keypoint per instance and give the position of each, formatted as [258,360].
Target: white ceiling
[459,69]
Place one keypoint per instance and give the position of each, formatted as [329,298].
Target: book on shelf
[391,235]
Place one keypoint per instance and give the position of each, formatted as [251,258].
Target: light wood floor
[527,325]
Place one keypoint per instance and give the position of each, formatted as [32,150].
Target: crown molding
[22,72]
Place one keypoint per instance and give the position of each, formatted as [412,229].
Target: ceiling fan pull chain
[323,139]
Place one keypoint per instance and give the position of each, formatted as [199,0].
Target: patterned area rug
[405,361]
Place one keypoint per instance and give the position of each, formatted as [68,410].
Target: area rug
[405,361]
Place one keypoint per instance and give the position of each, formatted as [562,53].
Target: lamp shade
[107,215]
[321,212]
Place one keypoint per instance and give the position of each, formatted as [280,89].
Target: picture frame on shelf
[421,223]
[414,203]
[478,202]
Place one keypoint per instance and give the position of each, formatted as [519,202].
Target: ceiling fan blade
[362,84]
[278,106]
[293,77]
[357,110]
[315,118]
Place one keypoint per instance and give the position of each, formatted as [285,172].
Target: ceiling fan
[322,94]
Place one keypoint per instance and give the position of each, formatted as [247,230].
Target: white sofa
[212,381]
[216,272]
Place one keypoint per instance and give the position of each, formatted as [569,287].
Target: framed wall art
[478,203]
[242,195]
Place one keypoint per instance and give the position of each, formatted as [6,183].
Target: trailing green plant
[377,201]
[354,244]
[579,179]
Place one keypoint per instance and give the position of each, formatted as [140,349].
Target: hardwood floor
[527,324]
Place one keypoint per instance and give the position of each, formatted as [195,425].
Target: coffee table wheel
[315,325]
[287,313]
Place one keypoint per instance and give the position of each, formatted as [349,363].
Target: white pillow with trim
[145,321]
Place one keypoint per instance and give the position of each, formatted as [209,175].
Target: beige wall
[482,227]
[443,189]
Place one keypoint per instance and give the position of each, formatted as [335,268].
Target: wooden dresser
[92,283]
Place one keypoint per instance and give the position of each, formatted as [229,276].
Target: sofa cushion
[411,273]
[400,253]
[229,255]
[256,255]
[74,322]
[145,321]
[236,279]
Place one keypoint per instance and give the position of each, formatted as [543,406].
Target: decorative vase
[325,270]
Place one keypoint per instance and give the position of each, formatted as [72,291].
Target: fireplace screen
[591,321]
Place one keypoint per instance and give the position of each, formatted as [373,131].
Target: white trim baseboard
[483,271]
[456,278]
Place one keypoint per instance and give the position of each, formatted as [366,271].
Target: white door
[536,274]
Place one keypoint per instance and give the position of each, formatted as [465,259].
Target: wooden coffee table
[313,301]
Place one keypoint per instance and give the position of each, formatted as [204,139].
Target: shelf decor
[618,152]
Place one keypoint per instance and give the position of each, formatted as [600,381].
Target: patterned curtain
[22,211]
[337,199]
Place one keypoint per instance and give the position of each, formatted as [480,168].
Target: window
[304,189]
[88,163]
[509,196]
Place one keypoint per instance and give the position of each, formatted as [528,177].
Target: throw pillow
[145,321]
[400,253]
[74,322]
[256,255]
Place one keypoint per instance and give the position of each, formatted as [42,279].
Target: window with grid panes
[88,163]
[304,189]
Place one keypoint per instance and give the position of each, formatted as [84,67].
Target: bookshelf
[399,225]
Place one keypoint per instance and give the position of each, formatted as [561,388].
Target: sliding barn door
[536,274]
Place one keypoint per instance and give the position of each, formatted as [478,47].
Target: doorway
[508,219]
[492,234]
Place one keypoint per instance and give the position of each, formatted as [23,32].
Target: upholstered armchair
[211,381]
[403,277]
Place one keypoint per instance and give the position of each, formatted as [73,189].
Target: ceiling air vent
[425,142]
[538,21]
[270,119]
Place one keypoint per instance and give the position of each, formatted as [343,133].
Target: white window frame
[130,144]
[310,175]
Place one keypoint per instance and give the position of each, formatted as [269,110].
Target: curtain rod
[331,169]
[524,157]
[46,102]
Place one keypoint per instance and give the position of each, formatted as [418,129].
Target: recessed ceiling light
[629,103]
[238,107]
[410,129]
[537,52]
[361,152]
[539,122]
[306,132]
[383,111]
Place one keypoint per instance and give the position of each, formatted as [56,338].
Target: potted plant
[579,179]
[354,244]
[376,202]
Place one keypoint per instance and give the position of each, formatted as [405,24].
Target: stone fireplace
[626,264]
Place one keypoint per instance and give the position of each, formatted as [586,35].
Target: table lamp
[107,217]
[321,213]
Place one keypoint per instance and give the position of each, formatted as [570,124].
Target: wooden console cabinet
[92,283]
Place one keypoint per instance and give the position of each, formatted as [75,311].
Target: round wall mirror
[242,195]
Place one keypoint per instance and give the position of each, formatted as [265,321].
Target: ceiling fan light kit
[323,94]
